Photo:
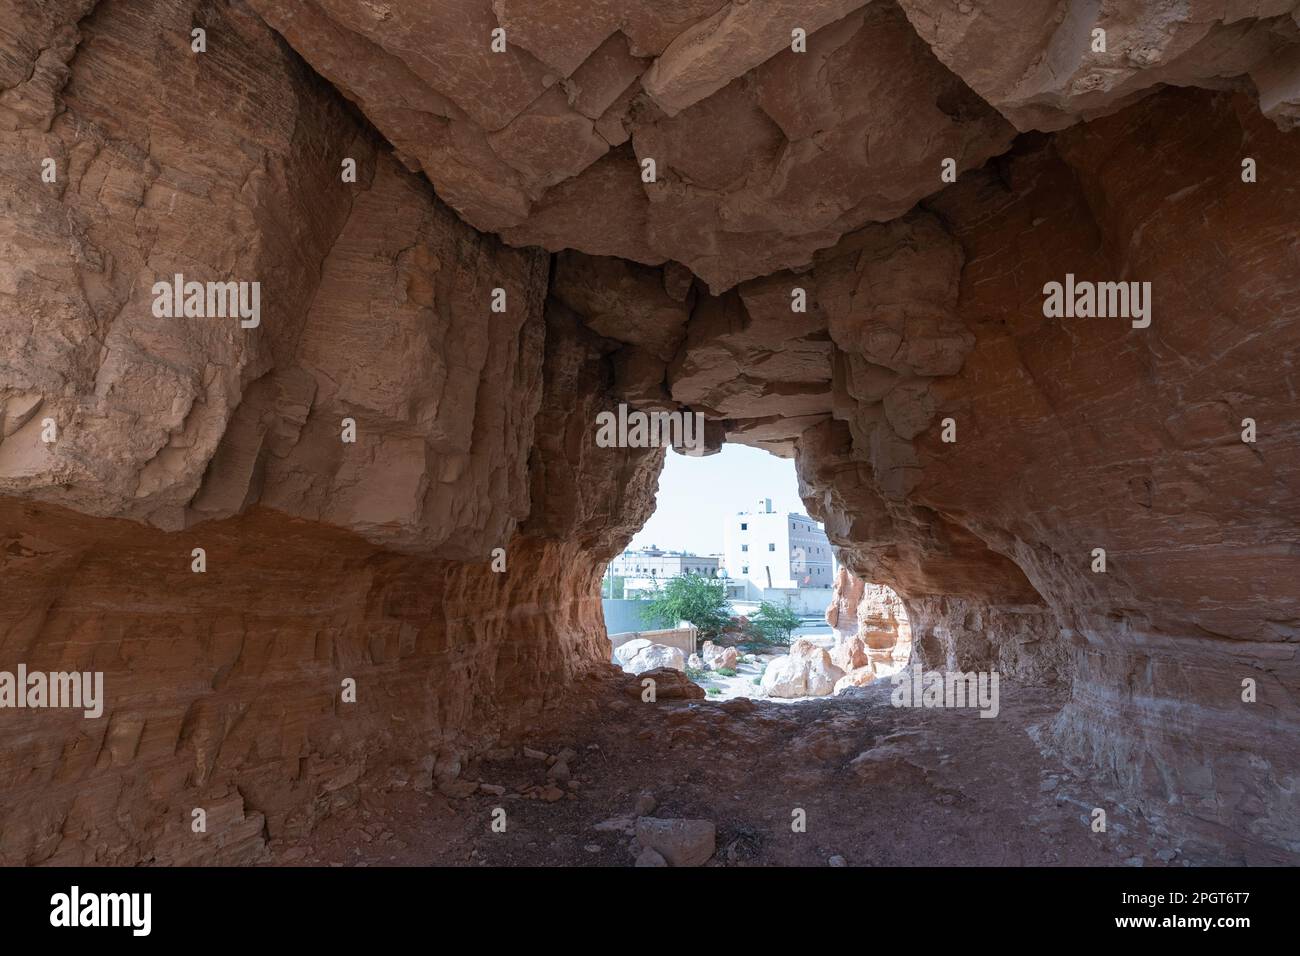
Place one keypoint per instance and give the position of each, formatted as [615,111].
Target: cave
[345,558]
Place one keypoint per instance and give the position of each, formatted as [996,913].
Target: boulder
[858,677]
[649,857]
[625,652]
[717,657]
[670,684]
[849,655]
[680,842]
[807,671]
[784,677]
[656,656]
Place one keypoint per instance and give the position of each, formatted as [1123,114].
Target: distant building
[647,569]
[779,555]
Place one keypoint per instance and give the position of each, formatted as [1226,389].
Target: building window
[744,526]
[771,546]
[744,569]
[744,547]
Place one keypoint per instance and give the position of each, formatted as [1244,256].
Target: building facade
[646,569]
[779,555]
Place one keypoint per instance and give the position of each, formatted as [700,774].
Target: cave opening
[733,583]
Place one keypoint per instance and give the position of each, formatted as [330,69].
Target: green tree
[692,597]
[772,623]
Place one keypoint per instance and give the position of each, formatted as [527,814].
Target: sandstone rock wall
[1086,433]
[149,185]
[325,560]
[777,172]
[1045,66]
[224,689]
[874,615]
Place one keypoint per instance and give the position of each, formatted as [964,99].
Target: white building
[782,556]
[646,569]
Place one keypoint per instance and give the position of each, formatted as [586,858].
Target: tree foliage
[772,623]
[700,600]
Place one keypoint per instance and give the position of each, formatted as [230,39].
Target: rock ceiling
[762,154]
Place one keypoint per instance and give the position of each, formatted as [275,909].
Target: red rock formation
[1045,66]
[224,687]
[545,141]
[1078,434]
[871,626]
[777,173]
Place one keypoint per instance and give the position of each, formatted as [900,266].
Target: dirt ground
[749,670]
[879,786]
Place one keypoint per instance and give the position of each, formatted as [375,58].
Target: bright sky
[696,494]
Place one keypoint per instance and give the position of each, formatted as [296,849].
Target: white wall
[761,531]
[792,547]
[800,600]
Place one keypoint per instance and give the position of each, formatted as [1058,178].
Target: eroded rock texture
[1048,65]
[798,271]
[1078,434]
[224,687]
[871,627]
[762,155]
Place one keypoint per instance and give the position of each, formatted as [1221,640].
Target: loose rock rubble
[701,784]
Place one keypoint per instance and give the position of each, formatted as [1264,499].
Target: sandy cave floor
[881,786]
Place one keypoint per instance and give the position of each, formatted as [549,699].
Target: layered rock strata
[1078,434]
[446,561]
[394,480]
[872,631]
